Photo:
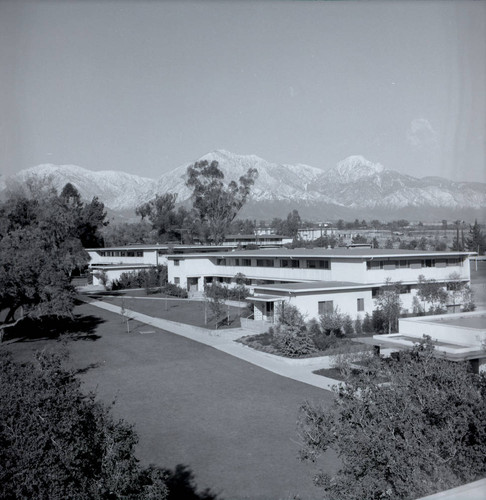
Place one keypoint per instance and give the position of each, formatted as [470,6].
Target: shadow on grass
[182,486]
[81,327]
[86,369]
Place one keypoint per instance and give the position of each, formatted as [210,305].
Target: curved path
[224,340]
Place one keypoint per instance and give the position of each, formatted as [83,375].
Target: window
[403,263]
[237,262]
[247,262]
[130,254]
[139,254]
[284,263]
[325,307]
[177,281]
[295,264]
[311,264]
[264,263]
[324,264]
[360,304]
[176,262]
[220,262]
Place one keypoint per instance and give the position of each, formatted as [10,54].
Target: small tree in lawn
[389,303]
[216,307]
[423,431]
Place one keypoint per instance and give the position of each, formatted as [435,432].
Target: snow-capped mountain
[355,187]
[117,190]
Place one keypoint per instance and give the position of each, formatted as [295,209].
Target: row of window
[121,253]
[412,264]
[292,263]
[327,306]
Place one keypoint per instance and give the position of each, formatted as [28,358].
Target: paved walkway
[224,340]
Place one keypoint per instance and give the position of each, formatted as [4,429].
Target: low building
[319,279]
[131,258]
[457,337]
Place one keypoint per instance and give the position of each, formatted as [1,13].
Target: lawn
[190,312]
[231,422]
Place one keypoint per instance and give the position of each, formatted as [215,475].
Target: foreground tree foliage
[424,431]
[57,443]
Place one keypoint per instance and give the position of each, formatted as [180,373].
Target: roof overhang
[266,298]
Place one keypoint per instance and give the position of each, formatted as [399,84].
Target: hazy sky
[145,86]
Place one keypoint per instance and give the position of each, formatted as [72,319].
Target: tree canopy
[58,443]
[169,223]
[41,244]
[422,431]
[217,204]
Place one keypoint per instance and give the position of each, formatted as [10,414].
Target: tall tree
[389,303]
[432,292]
[215,203]
[421,432]
[476,241]
[170,224]
[40,246]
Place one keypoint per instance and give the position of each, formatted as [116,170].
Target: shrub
[152,277]
[332,323]
[378,321]
[348,326]
[174,290]
[367,324]
[358,326]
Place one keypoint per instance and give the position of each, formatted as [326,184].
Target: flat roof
[476,322]
[164,246]
[340,253]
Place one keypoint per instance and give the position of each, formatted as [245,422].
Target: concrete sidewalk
[224,340]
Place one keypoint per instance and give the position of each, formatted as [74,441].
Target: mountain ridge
[354,184]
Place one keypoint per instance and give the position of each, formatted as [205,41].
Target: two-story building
[131,258]
[319,280]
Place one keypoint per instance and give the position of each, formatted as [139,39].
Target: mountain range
[354,188]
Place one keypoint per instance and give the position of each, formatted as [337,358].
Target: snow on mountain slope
[354,183]
[117,190]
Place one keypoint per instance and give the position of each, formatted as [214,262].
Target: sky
[146,86]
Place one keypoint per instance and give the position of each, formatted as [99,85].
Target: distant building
[129,258]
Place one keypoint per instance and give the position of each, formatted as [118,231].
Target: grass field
[189,312]
[231,422]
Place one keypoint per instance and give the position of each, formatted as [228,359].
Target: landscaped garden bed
[265,342]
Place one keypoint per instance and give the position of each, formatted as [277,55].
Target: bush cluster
[146,278]
[223,292]
[174,290]
[294,337]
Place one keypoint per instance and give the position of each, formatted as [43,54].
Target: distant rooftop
[341,252]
